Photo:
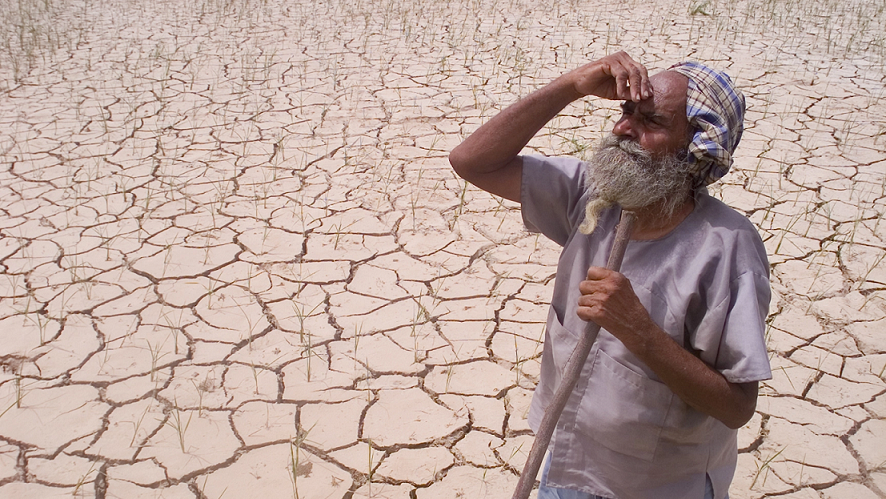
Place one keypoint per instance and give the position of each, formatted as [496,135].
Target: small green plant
[210,290]
[461,201]
[254,376]
[449,371]
[369,465]
[296,467]
[786,375]
[249,322]
[156,355]
[699,8]
[358,330]
[301,315]
[864,278]
[83,478]
[518,363]
[308,352]
[763,468]
[138,425]
[203,488]
[202,388]
[41,327]
[173,329]
[514,452]
[176,422]
[339,230]
[15,365]
[18,390]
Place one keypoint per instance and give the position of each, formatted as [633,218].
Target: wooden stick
[572,371]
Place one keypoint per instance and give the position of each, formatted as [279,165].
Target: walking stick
[572,371]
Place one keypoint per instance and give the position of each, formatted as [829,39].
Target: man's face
[658,124]
[642,162]
[640,166]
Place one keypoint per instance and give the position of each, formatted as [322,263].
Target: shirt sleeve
[742,354]
[552,196]
[733,331]
[725,296]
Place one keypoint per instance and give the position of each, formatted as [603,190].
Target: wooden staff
[572,371]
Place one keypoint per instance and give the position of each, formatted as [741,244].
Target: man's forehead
[669,95]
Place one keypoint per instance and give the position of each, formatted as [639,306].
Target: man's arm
[609,300]
[489,158]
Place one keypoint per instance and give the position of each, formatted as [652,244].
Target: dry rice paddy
[234,261]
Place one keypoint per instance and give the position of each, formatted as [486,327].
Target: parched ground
[235,263]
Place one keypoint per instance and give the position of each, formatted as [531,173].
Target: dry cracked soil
[234,261]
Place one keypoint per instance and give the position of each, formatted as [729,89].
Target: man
[675,368]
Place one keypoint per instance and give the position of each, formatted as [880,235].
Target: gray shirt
[623,433]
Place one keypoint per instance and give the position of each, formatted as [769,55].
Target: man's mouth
[629,147]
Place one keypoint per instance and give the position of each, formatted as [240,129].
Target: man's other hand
[608,299]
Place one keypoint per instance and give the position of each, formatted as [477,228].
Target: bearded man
[674,370]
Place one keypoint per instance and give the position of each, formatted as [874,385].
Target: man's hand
[614,77]
[608,299]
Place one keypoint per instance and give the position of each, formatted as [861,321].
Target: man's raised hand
[615,77]
[489,157]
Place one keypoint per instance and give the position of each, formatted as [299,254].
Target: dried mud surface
[235,262]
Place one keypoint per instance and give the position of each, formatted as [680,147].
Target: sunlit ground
[235,262]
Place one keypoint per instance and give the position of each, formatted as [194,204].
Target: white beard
[621,172]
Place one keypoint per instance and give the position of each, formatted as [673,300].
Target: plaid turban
[715,109]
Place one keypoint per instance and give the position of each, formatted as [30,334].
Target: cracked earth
[235,262]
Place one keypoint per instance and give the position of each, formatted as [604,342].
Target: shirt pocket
[623,410]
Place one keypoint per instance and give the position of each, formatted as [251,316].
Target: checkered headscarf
[715,109]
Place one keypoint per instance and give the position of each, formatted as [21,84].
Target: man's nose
[624,128]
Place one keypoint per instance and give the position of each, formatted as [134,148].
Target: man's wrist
[563,90]
[649,341]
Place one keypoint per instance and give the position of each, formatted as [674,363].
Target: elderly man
[674,371]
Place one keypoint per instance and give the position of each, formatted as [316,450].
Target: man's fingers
[616,76]
[588,310]
[598,273]
[621,72]
[621,84]
[631,77]
[639,83]
[647,87]
[598,282]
